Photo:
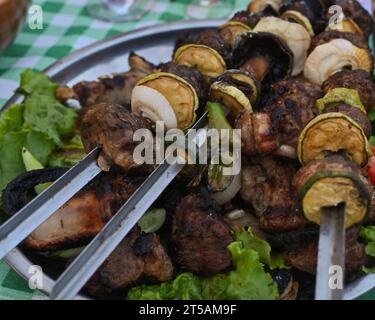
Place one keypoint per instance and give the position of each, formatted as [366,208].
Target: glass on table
[119,10]
[202,9]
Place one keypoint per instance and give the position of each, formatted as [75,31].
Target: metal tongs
[19,226]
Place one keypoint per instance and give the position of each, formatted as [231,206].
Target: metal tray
[105,57]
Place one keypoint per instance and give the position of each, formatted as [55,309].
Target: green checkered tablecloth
[66,28]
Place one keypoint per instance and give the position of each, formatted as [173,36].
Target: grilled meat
[112,126]
[200,237]
[304,257]
[116,88]
[122,268]
[136,257]
[277,127]
[359,80]
[266,187]
[157,264]
[324,37]
[78,220]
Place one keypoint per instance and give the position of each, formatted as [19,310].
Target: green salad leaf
[11,119]
[41,125]
[33,82]
[250,240]
[368,234]
[47,115]
[248,280]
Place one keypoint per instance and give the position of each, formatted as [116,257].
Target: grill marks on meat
[266,186]
[137,257]
[114,89]
[277,127]
[112,127]
[200,237]
[292,108]
[305,256]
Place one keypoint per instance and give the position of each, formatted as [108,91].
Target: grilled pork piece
[266,186]
[277,127]
[116,88]
[112,126]
[137,256]
[200,237]
[81,218]
[304,257]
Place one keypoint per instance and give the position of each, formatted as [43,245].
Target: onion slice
[151,104]
[229,192]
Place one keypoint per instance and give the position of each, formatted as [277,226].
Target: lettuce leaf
[11,144]
[36,82]
[248,280]
[250,240]
[47,115]
[11,119]
[368,234]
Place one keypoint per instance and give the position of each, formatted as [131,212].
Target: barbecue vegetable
[152,220]
[208,52]
[231,30]
[345,25]
[265,55]
[354,10]
[334,56]
[180,99]
[151,104]
[330,182]
[237,90]
[333,132]
[340,95]
[224,187]
[297,17]
[295,36]
[359,80]
[257,6]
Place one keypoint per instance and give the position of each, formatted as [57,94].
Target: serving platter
[156,44]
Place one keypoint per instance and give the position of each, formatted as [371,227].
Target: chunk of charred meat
[359,80]
[304,257]
[324,37]
[121,269]
[112,126]
[277,127]
[257,133]
[136,257]
[77,221]
[116,88]
[200,237]
[251,18]
[74,223]
[157,264]
[292,107]
[266,187]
